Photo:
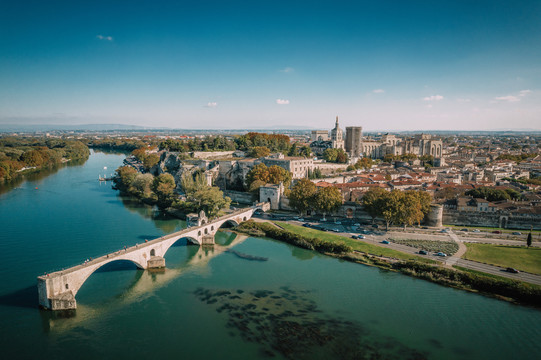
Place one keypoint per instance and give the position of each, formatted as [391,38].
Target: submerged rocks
[287,322]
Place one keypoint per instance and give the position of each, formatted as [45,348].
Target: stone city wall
[240,197]
[504,220]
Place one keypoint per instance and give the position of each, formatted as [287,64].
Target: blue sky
[383,65]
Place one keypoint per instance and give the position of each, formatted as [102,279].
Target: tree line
[492,194]
[20,153]
[305,195]
[253,143]
[160,190]
[397,207]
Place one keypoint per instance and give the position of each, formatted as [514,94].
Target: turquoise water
[209,305]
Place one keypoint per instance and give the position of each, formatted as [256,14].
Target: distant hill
[65,127]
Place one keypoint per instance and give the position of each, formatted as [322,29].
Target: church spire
[337,121]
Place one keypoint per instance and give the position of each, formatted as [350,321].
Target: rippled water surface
[212,304]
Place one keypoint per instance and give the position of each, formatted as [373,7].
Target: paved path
[496,270]
[452,260]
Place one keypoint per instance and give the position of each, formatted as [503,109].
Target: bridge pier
[156,262]
[207,239]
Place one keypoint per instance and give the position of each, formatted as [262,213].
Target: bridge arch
[75,283]
[189,240]
[228,223]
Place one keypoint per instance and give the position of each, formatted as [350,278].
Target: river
[210,304]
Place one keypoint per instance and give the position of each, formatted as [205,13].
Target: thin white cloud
[211,104]
[524,92]
[433,98]
[463,100]
[282,102]
[508,98]
[107,38]
[378,91]
[287,70]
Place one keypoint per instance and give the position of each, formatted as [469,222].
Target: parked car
[476,230]
[335,230]
[496,232]
[422,252]
[338,223]
[512,270]
[424,227]
[306,225]
[375,226]
[444,231]
[360,236]
[357,224]
[385,242]
[441,254]
[301,219]
[465,230]
[517,233]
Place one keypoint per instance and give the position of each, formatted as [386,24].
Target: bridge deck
[144,245]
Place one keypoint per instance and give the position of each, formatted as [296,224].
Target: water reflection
[163,221]
[143,285]
[302,254]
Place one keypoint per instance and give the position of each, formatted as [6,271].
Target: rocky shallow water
[287,322]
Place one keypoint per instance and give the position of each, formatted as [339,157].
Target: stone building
[337,138]
[319,135]
[354,141]
[298,166]
[272,193]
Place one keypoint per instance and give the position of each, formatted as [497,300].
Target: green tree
[163,186]
[258,172]
[150,161]
[529,239]
[33,158]
[125,175]
[301,197]
[327,200]
[293,150]
[211,200]
[394,208]
[305,151]
[255,185]
[268,175]
[373,202]
[330,155]
[278,175]
[364,163]
[140,154]
[190,183]
[259,152]
[141,185]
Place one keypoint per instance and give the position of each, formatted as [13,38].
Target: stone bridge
[57,290]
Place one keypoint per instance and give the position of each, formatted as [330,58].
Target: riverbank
[509,290]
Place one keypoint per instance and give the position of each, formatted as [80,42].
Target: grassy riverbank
[352,250]
[518,257]
[355,244]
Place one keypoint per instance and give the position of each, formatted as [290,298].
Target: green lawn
[358,245]
[517,257]
[490,229]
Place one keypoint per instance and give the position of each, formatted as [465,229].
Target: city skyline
[453,65]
